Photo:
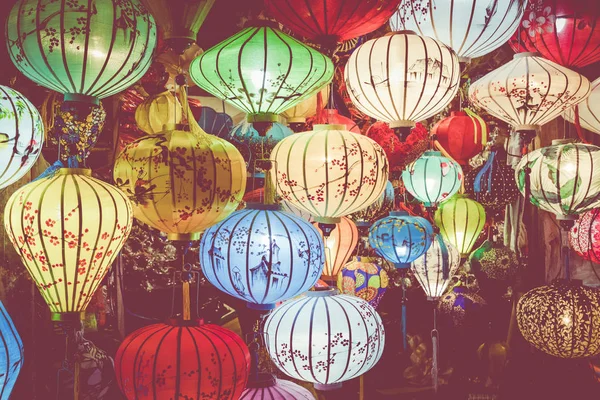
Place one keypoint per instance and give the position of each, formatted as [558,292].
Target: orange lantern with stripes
[339,246]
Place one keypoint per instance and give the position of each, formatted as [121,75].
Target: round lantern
[589,110]
[564,31]
[402,78]
[339,246]
[68,229]
[158,110]
[262,255]
[379,209]
[329,172]
[324,337]
[584,236]
[401,238]
[562,319]
[495,261]
[21,135]
[529,91]
[167,361]
[435,268]
[561,179]
[432,178]
[472,28]
[460,220]
[181,182]
[267,387]
[11,347]
[462,135]
[461,307]
[86,51]
[363,277]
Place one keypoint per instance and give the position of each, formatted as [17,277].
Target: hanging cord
[577,122]
[435,337]
[403,318]
[186,276]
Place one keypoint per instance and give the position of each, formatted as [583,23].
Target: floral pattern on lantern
[584,236]
[377,210]
[462,135]
[363,277]
[589,110]
[461,221]
[429,268]
[11,348]
[495,261]
[339,246]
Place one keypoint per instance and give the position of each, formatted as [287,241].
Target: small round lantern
[462,135]
[363,277]
[495,261]
[435,268]
[339,246]
[460,220]
[267,387]
[584,236]
[11,348]
[215,123]
[379,209]
[157,111]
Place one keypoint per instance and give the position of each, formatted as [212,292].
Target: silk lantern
[584,236]
[461,221]
[324,337]
[462,307]
[215,123]
[434,269]
[339,246]
[363,277]
[463,135]
[11,348]
[267,387]
[589,110]
[68,228]
[177,359]
[296,116]
[495,261]
[376,210]
[21,135]
[158,110]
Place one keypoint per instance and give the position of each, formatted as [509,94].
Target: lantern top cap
[398,214]
[526,54]
[401,32]
[262,206]
[263,380]
[329,127]
[562,141]
[178,321]
[323,292]
[433,153]
[75,171]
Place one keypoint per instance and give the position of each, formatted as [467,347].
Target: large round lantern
[11,348]
[401,238]
[262,255]
[324,337]
[21,135]
[584,236]
[379,209]
[589,110]
[402,78]
[472,28]
[181,182]
[158,110]
[435,268]
[68,229]
[460,220]
[562,319]
[462,135]
[167,361]
[329,172]
[85,50]
[495,261]
[363,277]
[561,179]
[432,178]
[267,387]
[339,246]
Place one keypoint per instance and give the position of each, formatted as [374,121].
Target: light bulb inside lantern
[259,78]
[567,320]
[402,251]
[560,24]
[569,167]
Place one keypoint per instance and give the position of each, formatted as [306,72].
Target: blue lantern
[262,255]
[11,354]
[216,123]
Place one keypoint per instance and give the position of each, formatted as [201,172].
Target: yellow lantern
[157,111]
[339,245]
[68,228]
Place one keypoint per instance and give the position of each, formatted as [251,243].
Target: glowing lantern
[462,135]
[589,110]
[163,361]
[585,234]
[432,178]
[269,388]
[68,229]
[332,116]
[363,277]
[495,261]
[339,246]
[11,347]
[296,116]
[324,337]
[157,111]
[379,209]
[435,268]
[460,220]
[21,135]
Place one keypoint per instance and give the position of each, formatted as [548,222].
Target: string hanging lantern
[588,110]
[158,110]
[584,235]
[11,347]
[462,135]
[376,210]
[495,261]
[363,277]
[435,267]
[339,246]
[461,221]
[270,388]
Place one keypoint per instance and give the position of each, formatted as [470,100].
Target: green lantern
[460,220]
[262,71]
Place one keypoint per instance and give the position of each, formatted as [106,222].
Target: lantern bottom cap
[433,298]
[81,98]
[402,123]
[183,236]
[401,265]
[254,306]
[328,220]
[327,386]
[262,117]
[561,217]
[526,127]
[322,292]
[67,316]
[296,120]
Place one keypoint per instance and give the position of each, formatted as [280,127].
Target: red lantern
[182,360]
[461,135]
[564,31]
[584,237]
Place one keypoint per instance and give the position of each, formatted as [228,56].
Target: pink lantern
[584,237]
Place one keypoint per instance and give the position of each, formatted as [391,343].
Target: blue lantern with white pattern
[11,354]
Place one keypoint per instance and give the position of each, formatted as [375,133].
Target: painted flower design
[538,23]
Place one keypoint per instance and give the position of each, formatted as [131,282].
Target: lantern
[68,229]
[262,255]
[376,210]
[11,347]
[529,91]
[584,236]
[401,238]
[461,307]
[86,51]
[332,116]
[329,172]
[562,319]
[460,220]
[215,123]
[296,116]
[589,110]
[471,28]
[267,387]
[363,277]
[324,337]
[435,268]
[462,135]
[495,261]
[402,78]
[400,153]
[181,182]
[339,246]
[273,72]
[166,361]
[561,179]
[432,178]
[21,135]
[157,111]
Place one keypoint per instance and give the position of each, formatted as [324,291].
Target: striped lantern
[584,236]
[463,135]
[11,348]
[589,110]
[307,108]
[435,268]
[339,246]
[363,277]
[461,221]
[377,210]
[267,387]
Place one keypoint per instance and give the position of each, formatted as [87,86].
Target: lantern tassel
[269,188]
[403,318]
[76,376]
[186,301]
[434,352]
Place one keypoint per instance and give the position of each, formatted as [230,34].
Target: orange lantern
[339,246]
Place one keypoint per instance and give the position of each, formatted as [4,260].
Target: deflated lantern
[363,277]
[339,246]
[463,135]
[435,268]
[589,110]
[460,220]
[584,236]
[11,348]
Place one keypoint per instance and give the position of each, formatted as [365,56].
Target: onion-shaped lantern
[262,255]
[324,337]
[158,110]
[339,246]
[402,78]
[68,229]
[471,28]
[461,221]
[584,236]
[561,319]
[589,110]
[495,261]
[561,179]
[379,209]
[401,238]
[329,172]
[462,135]
[363,277]
[21,135]
[435,268]
[166,361]
[267,387]
[11,347]
[432,178]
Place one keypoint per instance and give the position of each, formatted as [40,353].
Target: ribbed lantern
[329,172]
[432,178]
[296,116]
[363,277]
[462,135]
[176,360]
[262,255]
[21,135]
[401,238]
[461,221]
[562,179]
[324,337]
[562,319]
[158,110]
[68,228]
[85,50]
[435,268]
[267,387]
[379,209]
[11,348]
[472,28]
[584,236]
[332,116]
[402,78]
[339,246]
[589,110]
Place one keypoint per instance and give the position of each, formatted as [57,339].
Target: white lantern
[589,110]
[429,268]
